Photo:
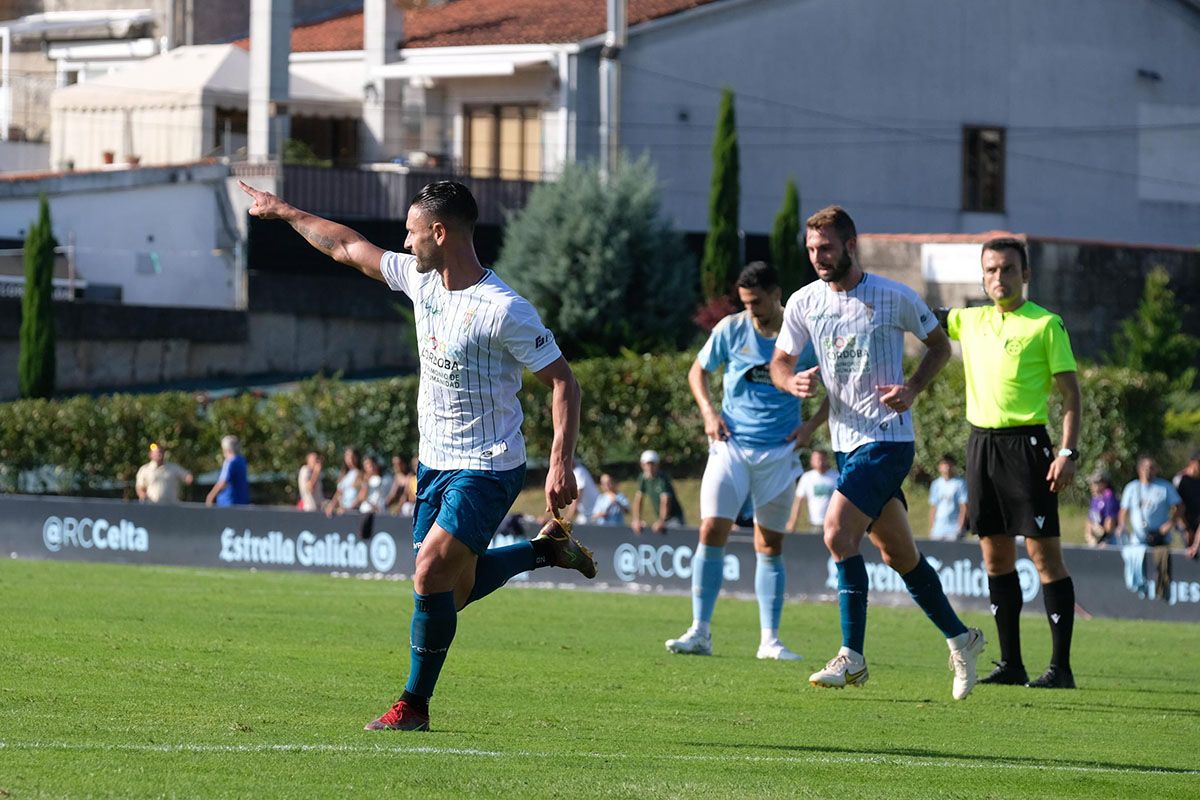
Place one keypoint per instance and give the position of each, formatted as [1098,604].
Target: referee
[1013,351]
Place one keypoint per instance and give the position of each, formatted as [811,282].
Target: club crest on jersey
[467,319]
[431,309]
[1012,347]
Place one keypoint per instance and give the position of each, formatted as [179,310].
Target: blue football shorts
[469,504]
[872,474]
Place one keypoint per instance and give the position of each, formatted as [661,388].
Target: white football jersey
[473,345]
[859,339]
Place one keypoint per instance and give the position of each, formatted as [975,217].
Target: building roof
[485,22]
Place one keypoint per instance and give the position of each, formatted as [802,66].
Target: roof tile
[485,22]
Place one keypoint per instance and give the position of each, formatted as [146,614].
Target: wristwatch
[1068,453]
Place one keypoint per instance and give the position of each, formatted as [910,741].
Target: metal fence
[386,194]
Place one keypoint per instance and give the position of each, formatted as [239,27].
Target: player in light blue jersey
[752,455]
[857,322]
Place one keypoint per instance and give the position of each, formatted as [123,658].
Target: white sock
[769,635]
[701,628]
[960,641]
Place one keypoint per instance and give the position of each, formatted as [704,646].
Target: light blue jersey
[757,414]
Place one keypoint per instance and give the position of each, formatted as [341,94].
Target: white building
[1077,118]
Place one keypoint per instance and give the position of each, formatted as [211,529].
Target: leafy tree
[601,264]
[721,245]
[36,362]
[787,254]
[1152,339]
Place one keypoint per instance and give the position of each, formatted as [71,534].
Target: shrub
[601,264]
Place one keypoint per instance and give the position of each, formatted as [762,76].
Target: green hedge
[630,403]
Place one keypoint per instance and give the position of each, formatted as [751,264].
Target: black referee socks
[1004,591]
[1060,610]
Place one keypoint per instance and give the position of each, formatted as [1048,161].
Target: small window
[983,169]
[504,142]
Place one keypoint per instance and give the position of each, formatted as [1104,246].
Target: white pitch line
[878,759]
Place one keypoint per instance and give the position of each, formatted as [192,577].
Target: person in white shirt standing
[814,489]
[857,323]
[308,481]
[947,502]
[475,336]
[159,481]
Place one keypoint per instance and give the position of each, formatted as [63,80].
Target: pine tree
[601,263]
[36,363]
[1153,340]
[788,255]
[721,246]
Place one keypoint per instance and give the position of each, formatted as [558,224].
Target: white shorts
[766,476]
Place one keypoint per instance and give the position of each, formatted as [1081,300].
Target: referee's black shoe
[1005,675]
[1054,678]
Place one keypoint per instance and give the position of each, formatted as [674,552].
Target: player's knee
[430,575]
[713,533]
[838,538]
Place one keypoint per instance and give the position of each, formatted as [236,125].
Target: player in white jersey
[475,335]
[857,323]
[752,456]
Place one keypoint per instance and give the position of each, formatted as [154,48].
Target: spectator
[588,495]
[403,496]
[233,485]
[947,503]
[349,484]
[814,489]
[312,494]
[158,480]
[610,506]
[374,487]
[1150,508]
[1187,483]
[1101,527]
[655,485]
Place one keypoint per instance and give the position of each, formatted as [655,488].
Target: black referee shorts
[1007,490]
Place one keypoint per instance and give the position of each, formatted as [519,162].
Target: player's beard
[839,270]
[428,262]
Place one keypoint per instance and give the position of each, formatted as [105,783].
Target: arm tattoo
[319,240]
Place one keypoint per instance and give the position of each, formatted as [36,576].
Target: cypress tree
[721,246]
[788,255]
[36,363]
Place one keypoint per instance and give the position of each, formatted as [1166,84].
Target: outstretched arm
[560,478]
[340,243]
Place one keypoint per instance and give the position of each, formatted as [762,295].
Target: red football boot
[400,717]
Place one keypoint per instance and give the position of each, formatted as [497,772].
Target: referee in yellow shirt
[1013,352]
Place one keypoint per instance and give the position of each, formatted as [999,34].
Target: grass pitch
[121,681]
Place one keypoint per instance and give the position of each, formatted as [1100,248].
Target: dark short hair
[758,275]
[1001,243]
[448,202]
[835,217]
[949,459]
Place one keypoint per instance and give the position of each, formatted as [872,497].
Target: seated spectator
[814,489]
[233,486]
[374,488]
[402,498]
[1101,526]
[655,485]
[1150,509]
[312,494]
[349,484]
[159,481]
[610,506]
[1187,483]
[947,502]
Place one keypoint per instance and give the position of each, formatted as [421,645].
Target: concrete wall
[24,157]
[165,236]
[120,346]
[863,103]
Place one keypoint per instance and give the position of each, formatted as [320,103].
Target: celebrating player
[474,335]
[857,322]
[1012,351]
[752,453]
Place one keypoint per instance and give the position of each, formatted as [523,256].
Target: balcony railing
[386,194]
